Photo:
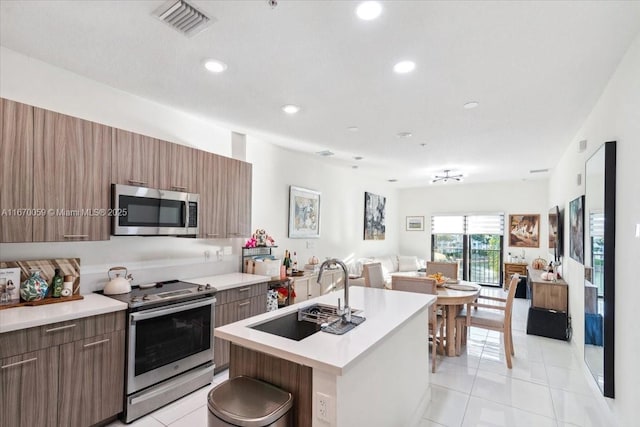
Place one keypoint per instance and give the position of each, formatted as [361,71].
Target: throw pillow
[408,263]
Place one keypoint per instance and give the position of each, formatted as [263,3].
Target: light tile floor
[546,387]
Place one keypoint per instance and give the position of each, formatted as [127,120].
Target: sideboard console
[552,295]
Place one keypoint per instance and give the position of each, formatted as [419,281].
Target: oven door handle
[150,314]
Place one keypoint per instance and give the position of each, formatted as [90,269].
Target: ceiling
[536,69]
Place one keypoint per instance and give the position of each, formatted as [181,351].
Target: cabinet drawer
[36,338]
[104,323]
[240,293]
[32,339]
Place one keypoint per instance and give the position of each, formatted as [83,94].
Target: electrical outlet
[207,255]
[325,407]
[311,244]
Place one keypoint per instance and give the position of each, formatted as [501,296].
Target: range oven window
[166,339]
[151,212]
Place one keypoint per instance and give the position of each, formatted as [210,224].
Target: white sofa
[390,264]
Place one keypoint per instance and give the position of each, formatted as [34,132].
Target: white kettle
[120,284]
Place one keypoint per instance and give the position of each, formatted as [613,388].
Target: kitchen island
[375,375]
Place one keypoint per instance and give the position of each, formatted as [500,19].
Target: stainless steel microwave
[140,211]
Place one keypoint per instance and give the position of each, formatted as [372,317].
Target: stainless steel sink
[307,321]
[288,326]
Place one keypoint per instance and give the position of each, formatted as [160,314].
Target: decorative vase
[34,288]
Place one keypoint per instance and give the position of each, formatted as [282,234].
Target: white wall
[36,83]
[515,197]
[341,203]
[616,117]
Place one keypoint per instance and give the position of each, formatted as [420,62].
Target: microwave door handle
[186,215]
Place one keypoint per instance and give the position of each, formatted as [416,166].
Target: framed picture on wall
[415,223]
[524,231]
[304,213]
[374,216]
[576,229]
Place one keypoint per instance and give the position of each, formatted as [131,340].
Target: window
[475,241]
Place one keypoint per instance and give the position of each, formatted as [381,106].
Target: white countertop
[384,310]
[223,282]
[12,319]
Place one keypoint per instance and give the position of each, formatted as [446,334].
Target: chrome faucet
[345,312]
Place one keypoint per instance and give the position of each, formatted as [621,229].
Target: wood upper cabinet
[135,159]
[16,183]
[178,166]
[238,198]
[91,379]
[211,184]
[28,386]
[71,176]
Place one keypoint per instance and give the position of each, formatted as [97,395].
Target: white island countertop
[13,319]
[224,282]
[385,311]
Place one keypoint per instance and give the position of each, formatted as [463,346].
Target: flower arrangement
[259,239]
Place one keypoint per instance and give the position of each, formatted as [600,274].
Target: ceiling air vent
[183,17]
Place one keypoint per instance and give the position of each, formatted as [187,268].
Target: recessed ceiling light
[404,134]
[392,180]
[358,158]
[470,105]
[424,144]
[354,167]
[353,128]
[325,153]
[404,67]
[214,65]
[290,108]
[368,10]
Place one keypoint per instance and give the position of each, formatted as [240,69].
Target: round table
[453,299]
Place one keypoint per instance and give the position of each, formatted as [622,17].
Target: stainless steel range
[169,343]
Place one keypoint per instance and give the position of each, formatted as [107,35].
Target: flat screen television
[555,233]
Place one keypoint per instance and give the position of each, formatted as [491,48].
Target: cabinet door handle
[234,234]
[242,304]
[213,234]
[138,183]
[178,188]
[96,343]
[75,236]
[60,328]
[244,290]
[33,359]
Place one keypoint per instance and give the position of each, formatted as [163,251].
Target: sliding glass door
[474,241]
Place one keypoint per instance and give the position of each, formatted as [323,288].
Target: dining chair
[495,317]
[448,269]
[373,277]
[436,321]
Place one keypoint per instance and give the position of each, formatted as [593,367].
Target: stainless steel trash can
[247,402]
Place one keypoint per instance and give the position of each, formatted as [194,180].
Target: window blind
[447,224]
[467,224]
[596,224]
[485,224]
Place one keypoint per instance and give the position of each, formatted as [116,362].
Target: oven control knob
[146,297]
[208,286]
[135,299]
[200,288]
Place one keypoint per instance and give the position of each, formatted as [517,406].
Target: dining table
[452,295]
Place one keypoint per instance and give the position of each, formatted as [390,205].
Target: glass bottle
[57,284]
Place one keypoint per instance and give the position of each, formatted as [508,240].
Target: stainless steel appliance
[169,343]
[141,211]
